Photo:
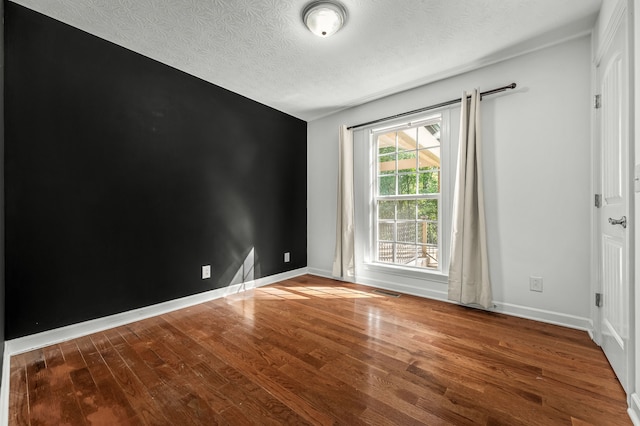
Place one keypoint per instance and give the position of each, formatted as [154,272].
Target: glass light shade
[324,18]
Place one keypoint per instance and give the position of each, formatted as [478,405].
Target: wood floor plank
[145,406]
[111,404]
[310,350]
[171,383]
[18,395]
[72,356]
[42,397]
[86,391]
[267,376]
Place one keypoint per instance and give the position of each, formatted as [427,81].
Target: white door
[613,117]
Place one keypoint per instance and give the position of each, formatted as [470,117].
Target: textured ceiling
[261,49]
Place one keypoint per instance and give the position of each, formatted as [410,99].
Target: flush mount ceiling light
[324,18]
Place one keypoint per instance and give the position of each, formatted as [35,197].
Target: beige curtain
[343,263]
[469,267]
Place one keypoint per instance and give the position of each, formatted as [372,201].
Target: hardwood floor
[315,351]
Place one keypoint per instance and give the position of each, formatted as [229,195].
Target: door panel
[613,310]
[612,133]
[613,81]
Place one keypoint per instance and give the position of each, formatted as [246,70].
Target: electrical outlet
[287,257]
[535,284]
[206,272]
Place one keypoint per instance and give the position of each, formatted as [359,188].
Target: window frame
[443,197]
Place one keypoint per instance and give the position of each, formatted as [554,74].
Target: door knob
[622,221]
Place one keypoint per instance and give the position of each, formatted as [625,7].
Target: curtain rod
[430,107]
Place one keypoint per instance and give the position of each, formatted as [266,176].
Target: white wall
[537,156]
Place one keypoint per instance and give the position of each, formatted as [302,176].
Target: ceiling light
[324,18]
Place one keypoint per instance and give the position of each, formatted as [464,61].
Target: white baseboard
[58,335]
[321,273]
[634,409]
[535,314]
[4,388]
[542,315]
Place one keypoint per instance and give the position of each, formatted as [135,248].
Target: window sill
[407,272]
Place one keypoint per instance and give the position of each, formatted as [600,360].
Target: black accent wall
[124,176]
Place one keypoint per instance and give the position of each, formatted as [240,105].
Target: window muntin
[407,195]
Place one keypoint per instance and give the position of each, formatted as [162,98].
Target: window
[407,195]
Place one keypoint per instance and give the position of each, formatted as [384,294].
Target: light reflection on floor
[301,293]
[245,303]
[329,292]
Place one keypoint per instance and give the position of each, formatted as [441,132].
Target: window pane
[407,209]
[387,143]
[427,233]
[406,254]
[422,232]
[428,256]
[406,232]
[386,210]
[407,139]
[387,164]
[429,159]
[407,184]
[407,162]
[432,233]
[385,252]
[387,185]
[429,136]
[428,209]
[385,231]
[429,183]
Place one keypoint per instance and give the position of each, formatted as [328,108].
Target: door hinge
[599,300]
[596,102]
[598,201]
